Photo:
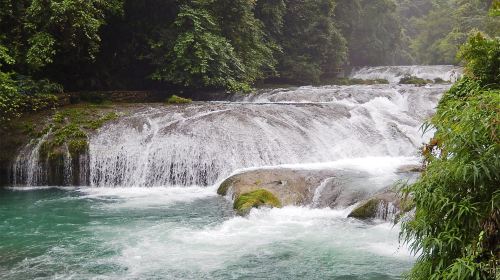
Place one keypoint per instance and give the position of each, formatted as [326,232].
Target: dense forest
[47,46]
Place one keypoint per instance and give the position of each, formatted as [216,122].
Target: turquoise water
[184,233]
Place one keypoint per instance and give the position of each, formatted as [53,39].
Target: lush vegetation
[456,227]
[435,29]
[205,45]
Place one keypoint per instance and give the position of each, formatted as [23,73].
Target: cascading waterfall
[27,168]
[67,167]
[202,143]
[394,74]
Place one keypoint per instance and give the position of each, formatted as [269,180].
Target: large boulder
[292,187]
[317,188]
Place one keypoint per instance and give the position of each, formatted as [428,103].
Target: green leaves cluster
[456,227]
[20,94]
[232,44]
[313,45]
[44,38]
[199,56]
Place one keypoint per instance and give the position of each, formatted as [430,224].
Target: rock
[366,210]
[291,187]
[320,188]
[315,188]
[386,206]
[410,168]
[245,202]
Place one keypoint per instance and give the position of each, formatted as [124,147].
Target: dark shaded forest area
[123,44]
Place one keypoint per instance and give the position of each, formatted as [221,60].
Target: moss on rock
[408,79]
[367,210]
[348,82]
[77,147]
[245,202]
[174,99]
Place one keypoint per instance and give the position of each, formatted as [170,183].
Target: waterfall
[393,74]
[319,190]
[203,142]
[27,168]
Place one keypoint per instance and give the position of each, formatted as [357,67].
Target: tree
[377,37]
[199,56]
[456,226]
[313,46]
[440,33]
[247,36]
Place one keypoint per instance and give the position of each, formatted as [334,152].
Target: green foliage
[255,199]
[98,123]
[23,94]
[440,32]
[174,99]
[313,46]
[271,13]
[77,147]
[41,51]
[205,44]
[65,27]
[70,131]
[247,35]
[495,8]
[375,33]
[483,59]
[456,227]
[199,56]
[70,128]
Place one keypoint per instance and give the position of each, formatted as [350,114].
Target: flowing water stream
[150,210]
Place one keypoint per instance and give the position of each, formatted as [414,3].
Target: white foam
[263,232]
[393,74]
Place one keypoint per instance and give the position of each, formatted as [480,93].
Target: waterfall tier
[204,142]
